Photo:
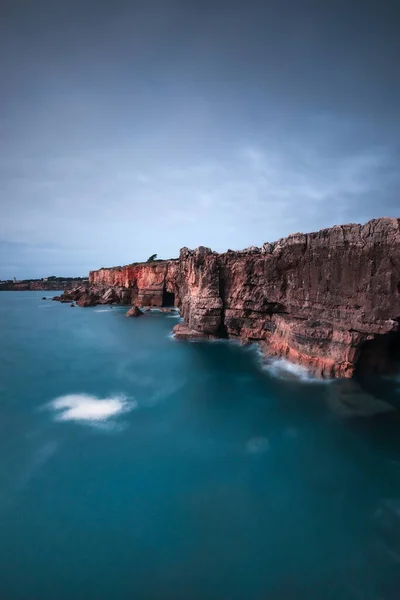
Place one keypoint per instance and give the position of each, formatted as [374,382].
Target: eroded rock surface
[328,300]
[134,312]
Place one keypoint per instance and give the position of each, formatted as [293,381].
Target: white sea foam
[284,369]
[101,310]
[83,407]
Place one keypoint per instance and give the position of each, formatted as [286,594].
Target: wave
[83,407]
[284,369]
[281,367]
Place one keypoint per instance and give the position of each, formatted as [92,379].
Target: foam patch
[83,407]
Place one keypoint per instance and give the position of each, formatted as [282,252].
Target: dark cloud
[129,128]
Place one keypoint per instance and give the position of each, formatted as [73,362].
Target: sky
[135,127]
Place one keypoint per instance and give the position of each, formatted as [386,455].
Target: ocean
[136,466]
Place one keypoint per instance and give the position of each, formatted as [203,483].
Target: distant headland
[46,283]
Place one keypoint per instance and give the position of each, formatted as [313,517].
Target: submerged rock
[347,399]
[183,332]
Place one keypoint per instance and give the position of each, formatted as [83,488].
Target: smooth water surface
[136,466]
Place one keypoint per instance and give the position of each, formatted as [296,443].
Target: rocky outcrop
[199,296]
[329,300]
[146,283]
[134,312]
[91,296]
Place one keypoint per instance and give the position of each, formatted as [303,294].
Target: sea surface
[136,466]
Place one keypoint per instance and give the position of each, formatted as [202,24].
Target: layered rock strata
[147,282]
[329,300]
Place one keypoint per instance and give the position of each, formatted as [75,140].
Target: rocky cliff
[328,300]
[147,283]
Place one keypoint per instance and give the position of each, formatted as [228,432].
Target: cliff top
[137,264]
[351,233]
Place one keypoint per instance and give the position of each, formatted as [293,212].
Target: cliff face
[146,282]
[328,300]
[198,284]
[325,299]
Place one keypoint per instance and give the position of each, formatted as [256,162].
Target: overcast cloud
[128,128]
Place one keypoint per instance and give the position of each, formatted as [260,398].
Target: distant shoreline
[35,285]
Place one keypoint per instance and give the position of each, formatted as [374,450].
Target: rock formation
[134,312]
[97,294]
[146,282]
[329,300]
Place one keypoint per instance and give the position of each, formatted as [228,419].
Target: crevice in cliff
[222,330]
[168,299]
[380,355]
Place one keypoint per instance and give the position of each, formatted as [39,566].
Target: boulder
[183,332]
[134,312]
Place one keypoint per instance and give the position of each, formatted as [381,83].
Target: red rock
[328,300]
[91,296]
[145,282]
[183,332]
[134,312]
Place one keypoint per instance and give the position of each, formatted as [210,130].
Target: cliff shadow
[168,299]
[379,356]
[377,369]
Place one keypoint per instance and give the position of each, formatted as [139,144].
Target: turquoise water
[180,470]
